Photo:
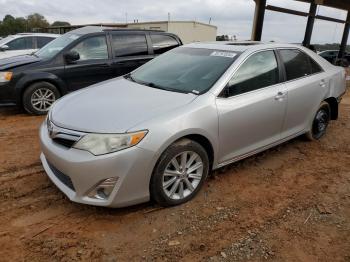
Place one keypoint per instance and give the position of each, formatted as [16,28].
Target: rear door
[130,50]
[252,108]
[93,66]
[306,85]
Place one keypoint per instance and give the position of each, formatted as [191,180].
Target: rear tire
[179,173]
[38,97]
[320,122]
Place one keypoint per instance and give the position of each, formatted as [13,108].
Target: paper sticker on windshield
[223,54]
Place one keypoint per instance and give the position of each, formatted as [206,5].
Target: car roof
[36,34]
[97,29]
[240,46]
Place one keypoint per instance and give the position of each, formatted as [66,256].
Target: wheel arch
[197,136]
[25,82]
[205,143]
[333,104]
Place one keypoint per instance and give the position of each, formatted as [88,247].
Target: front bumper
[7,93]
[76,172]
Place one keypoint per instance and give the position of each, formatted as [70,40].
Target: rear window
[43,40]
[298,64]
[129,45]
[162,43]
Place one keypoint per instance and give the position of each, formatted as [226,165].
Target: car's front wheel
[179,173]
[320,122]
[38,97]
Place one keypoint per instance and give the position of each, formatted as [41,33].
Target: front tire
[179,173]
[38,97]
[320,122]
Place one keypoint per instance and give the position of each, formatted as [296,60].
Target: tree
[11,25]
[60,23]
[36,21]
[222,38]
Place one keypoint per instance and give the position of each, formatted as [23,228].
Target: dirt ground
[290,203]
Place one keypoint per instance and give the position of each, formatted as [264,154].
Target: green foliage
[60,23]
[222,38]
[333,46]
[11,25]
[37,21]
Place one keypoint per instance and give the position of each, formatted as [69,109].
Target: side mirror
[4,48]
[71,57]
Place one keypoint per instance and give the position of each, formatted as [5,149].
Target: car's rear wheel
[179,173]
[38,97]
[320,122]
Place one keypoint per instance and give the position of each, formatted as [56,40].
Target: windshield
[52,48]
[6,39]
[184,69]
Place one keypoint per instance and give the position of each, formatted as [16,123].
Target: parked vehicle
[24,43]
[332,56]
[157,132]
[75,60]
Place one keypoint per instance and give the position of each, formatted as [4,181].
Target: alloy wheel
[182,175]
[42,99]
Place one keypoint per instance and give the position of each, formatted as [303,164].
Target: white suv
[24,43]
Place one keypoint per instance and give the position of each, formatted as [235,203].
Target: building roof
[339,4]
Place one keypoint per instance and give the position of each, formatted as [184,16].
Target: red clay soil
[290,203]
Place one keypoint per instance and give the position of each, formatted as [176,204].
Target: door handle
[323,83]
[280,95]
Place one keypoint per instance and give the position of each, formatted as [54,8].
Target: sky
[232,17]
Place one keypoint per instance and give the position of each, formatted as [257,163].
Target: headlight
[5,77]
[99,144]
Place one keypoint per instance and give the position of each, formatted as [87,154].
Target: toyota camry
[156,133]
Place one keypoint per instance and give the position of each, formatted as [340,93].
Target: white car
[24,43]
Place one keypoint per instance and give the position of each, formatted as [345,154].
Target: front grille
[62,136]
[64,142]
[62,177]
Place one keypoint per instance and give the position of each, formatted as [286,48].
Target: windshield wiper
[128,76]
[153,85]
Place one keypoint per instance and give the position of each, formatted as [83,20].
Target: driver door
[252,107]
[93,66]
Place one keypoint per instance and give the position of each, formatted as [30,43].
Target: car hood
[7,63]
[114,106]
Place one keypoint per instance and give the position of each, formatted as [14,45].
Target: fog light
[104,189]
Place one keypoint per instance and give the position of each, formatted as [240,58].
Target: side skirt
[256,151]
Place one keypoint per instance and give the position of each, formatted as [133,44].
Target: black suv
[75,60]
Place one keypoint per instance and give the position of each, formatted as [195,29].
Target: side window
[21,43]
[315,68]
[297,63]
[42,40]
[129,45]
[92,48]
[163,43]
[258,71]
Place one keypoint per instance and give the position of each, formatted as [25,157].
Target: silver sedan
[157,132]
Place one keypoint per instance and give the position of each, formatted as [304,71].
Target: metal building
[311,15]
